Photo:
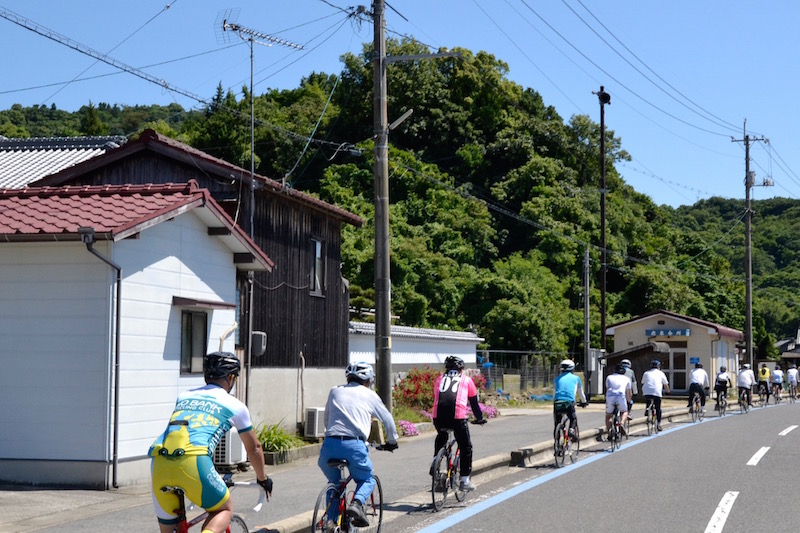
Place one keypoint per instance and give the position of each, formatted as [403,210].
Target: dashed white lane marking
[786,431]
[757,457]
[719,517]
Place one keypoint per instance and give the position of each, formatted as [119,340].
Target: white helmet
[567,365]
[361,370]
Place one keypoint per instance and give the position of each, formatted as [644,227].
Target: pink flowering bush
[488,411]
[406,428]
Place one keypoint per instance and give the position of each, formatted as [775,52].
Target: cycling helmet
[655,363]
[746,366]
[777,367]
[620,369]
[454,363]
[793,366]
[626,363]
[698,365]
[723,369]
[567,365]
[361,371]
[218,365]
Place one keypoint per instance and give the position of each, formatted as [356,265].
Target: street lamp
[604,99]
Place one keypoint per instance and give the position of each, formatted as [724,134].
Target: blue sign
[694,360]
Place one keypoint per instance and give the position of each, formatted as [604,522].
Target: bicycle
[776,393]
[722,403]
[763,396]
[337,495]
[744,406]
[446,471]
[697,408]
[566,446]
[237,524]
[651,417]
[615,433]
[792,393]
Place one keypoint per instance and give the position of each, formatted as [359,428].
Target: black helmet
[218,365]
[454,363]
[777,367]
[620,368]
[698,365]
[655,363]
[723,369]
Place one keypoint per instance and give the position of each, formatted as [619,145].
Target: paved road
[707,476]
[404,475]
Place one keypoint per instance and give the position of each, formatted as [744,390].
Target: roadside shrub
[416,389]
[274,438]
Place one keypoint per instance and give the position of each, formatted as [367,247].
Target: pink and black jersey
[451,393]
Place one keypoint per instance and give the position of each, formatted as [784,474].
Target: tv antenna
[224,26]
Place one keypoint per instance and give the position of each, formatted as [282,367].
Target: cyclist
[698,379]
[634,385]
[565,386]
[763,379]
[618,393]
[348,421]
[452,391]
[791,377]
[721,383]
[183,454]
[777,381]
[654,384]
[745,381]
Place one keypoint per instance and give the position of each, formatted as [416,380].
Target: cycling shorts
[619,400]
[198,478]
[778,386]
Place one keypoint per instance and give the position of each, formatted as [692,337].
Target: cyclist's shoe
[658,427]
[571,433]
[356,512]
[466,486]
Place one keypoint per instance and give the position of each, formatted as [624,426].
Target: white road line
[719,517]
[757,457]
[786,431]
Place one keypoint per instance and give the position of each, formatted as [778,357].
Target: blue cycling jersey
[565,385]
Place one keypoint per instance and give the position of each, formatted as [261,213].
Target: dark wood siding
[283,307]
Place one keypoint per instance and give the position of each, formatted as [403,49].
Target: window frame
[191,319]
[316,282]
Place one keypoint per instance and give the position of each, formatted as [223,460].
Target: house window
[194,332]
[317,284]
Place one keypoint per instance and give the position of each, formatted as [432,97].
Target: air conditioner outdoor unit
[230,450]
[315,422]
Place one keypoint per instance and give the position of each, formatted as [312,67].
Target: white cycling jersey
[746,378]
[777,376]
[791,376]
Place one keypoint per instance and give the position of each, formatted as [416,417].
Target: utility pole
[587,340]
[749,182]
[604,99]
[383,284]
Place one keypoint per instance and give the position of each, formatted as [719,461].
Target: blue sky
[683,75]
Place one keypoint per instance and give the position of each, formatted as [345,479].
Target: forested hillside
[494,199]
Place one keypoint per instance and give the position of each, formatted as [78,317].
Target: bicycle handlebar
[262,494]
[480,422]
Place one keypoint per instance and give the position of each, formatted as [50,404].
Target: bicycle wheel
[455,478]
[742,403]
[618,434]
[321,508]
[627,428]
[574,446]
[238,525]
[439,482]
[373,508]
[560,445]
[723,406]
[700,413]
[651,421]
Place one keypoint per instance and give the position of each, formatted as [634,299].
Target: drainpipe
[87,236]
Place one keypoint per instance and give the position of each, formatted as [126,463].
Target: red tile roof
[115,212]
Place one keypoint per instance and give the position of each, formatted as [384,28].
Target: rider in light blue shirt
[565,387]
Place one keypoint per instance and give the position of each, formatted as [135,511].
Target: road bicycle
[566,445]
[446,474]
[744,406]
[237,524]
[763,396]
[651,417]
[792,393]
[722,403]
[446,471]
[697,408]
[330,511]
[776,393]
[615,433]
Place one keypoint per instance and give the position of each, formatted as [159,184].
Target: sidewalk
[298,483]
